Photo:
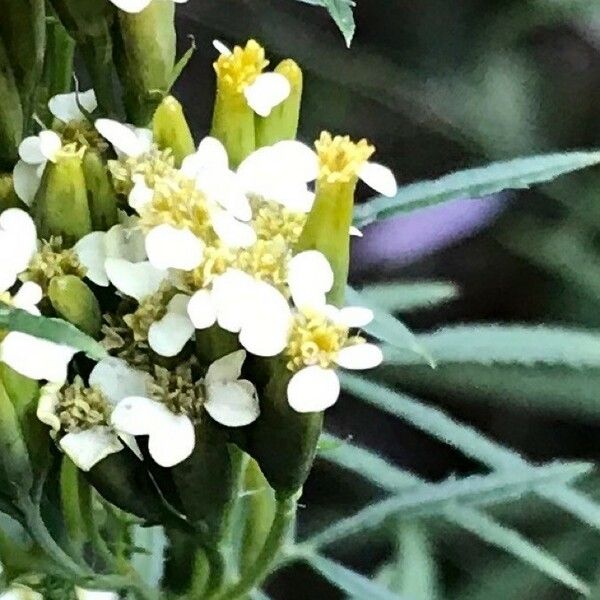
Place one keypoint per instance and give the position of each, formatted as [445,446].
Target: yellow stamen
[272,219]
[340,159]
[240,68]
[82,408]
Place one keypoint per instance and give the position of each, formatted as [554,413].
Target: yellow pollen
[82,408]
[240,68]
[154,165]
[340,159]
[217,259]
[151,309]
[267,261]
[316,340]
[272,219]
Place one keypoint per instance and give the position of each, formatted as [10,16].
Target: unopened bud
[73,300]
[102,198]
[61,203]
[11,112]
[171,130]
[282,123]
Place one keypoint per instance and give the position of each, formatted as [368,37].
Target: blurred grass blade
[519,173]
[54,330]
[341,13]
[149,560]
[522,344]
[387,328]
[258,595]
[356,585]
[494,533]
[470,442]
[405,297]
[431,499]
[375,469]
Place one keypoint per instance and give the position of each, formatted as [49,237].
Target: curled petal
[124,139]
[233,404]
[90,250]
[313,389]
[88,447]
[355,316]
[137,280]
[266,92]
[227,368]
[221,48]
[168,336]
[48,404]
[310,277]
[379,178]
[360,356]
[50,144]
[26,180]
[65,107]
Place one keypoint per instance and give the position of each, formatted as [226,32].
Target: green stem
[255,574]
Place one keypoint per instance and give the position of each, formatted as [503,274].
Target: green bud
[23,30]
[8,197]
[171,129]
[146,52]
[11,112]
[61,204]
[282,123]
[327,228]
[102,198]
[73,300]
[283,441]
[90,22]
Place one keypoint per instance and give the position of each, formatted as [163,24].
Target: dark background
[440,86]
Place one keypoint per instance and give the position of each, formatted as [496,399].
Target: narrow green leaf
[519,173]
[149,563]
[431,499]
[406,297]
[341,13]
[387,328]
[380,472]
[522,344]
[54,330]
[470,442]
[355,584]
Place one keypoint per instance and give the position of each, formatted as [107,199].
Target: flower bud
[73,300]
[102,198]
[282,123]
[171,129]
[328,224]
[61,204]
[146,52]
[23,30]
[11,112]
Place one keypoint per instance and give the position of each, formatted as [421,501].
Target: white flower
[87,447]
[25,593]
[136,6]
[169,247]
[36,150]
[120,241]
[266,92]
[18,244]
[168,336]
[127,140]
[230,400]
[83,594]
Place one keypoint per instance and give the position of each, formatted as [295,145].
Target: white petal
[87,448]
[380,178]
[226,368]
[360,356]
[168,336]
[50,144]
[355,231]
[225,188]
[65,107]
[125,242]
[90,250]
[17,229]
[82,594]
[123,138]
[48,404]
[232,232]
[30,150]
[36,358]
[295,197]
[29,294]
[173,441]
[229,295]
[201,310]
[137,280]
[313,389]
[21,593]
[138,415]
[221,48]
[355,316]
[117,380]
[141,195]
[299,161]
[211,156]
[168,247]
[310,277]
[233,404]
[26,181]
[131,6]
[266,92]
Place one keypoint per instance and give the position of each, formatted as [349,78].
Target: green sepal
[75,302]
[61,204]
[206,480]
[282,123]
[145,57]
[8,196]
[11,113]
[172,131]
[283,441]
[23,31]
[102,198]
